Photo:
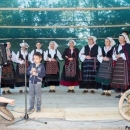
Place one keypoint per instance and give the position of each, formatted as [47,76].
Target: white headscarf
[55,45]
[71,41]
[24,44]
[112,41]
[126,37]
[94,39]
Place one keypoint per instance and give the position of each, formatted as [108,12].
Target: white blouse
[121,55]
[24,55]
[52,53]
[13,57]
[82,56]
[32,53]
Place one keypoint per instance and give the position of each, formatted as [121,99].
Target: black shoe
[103,93]
[85,91]
[92,91]
[69,91]
[3,93]
[21,91]
[72,91]
[50,91]
[108,94]
[8,92]
[53,91]
[119,96]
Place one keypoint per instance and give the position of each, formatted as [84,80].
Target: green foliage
[62,18]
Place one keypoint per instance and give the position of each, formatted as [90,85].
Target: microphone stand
[26,115]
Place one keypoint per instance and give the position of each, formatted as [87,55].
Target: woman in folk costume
[8,72]
[52,66]
[71,73]
[38,49]
[121,74]
[104,74]
[22,60]
[88,56]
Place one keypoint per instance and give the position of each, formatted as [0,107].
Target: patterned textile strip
[70,69]
[118,75]
[95,60]
[21,67]
[126,73]
[52,67]
[8,72]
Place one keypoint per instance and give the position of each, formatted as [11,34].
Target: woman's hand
[105,58]
[88,57]
[118,56]
[24,62]
[70,59]
[66,57]
[53,59]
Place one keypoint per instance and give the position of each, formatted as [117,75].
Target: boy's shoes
[30,111]
[3,93]
[38,109]
[20,91]
[8,92]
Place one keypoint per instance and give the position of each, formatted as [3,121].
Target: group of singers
[107,67]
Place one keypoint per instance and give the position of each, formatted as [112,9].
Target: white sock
[105,91]
[7,89]
[21,88]
[4,89]
[109,91]
[70,87]
[54,87]
[51,87]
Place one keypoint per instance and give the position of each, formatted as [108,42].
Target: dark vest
[21,56]
[93,52]
[55,56]
[116,49]
[109,53]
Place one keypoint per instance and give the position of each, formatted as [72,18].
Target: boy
[36,71]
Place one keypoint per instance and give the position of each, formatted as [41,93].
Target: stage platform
[69,111]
